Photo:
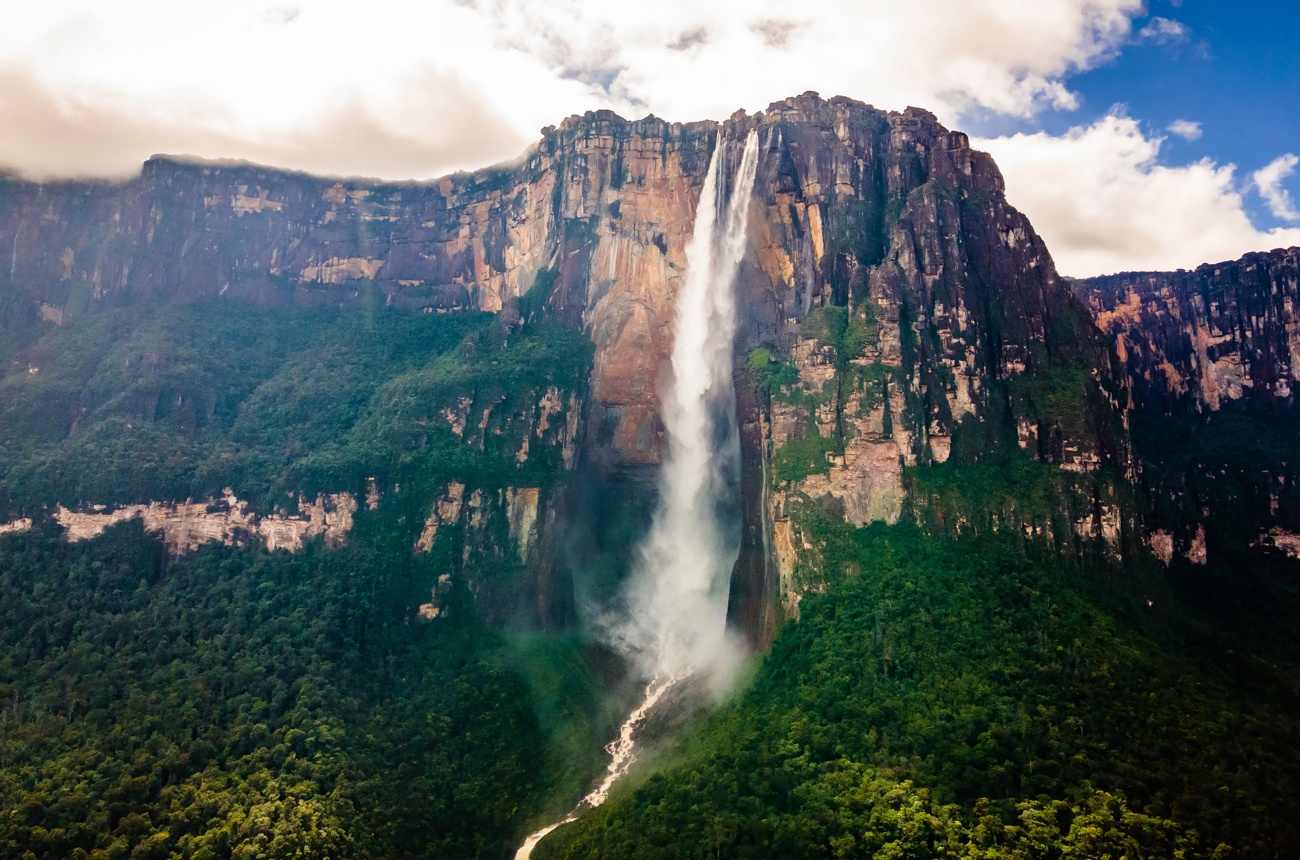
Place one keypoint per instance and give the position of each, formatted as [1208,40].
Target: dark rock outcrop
[1213,358]
[1192,342]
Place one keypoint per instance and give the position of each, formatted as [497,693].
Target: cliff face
[896,312]
[1192,342]
[910,316]
[1213,358]
[596,217]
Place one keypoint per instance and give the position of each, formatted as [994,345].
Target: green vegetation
[799,458]
[188,398]
[847,333]
[240,703]
[946,691]
[772,373]
[1009,482]
[953,698]
[1059,395]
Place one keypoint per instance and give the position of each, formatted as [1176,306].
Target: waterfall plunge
[676,616]
[677,597]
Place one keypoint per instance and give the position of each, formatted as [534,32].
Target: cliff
[1212,357]
[897,313]
[1192,342]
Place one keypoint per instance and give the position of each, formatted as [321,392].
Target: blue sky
[1075,98]
[1236,72]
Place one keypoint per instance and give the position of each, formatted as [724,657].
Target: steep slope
[1211,356]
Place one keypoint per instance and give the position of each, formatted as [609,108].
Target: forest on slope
[958,698]
[240,702]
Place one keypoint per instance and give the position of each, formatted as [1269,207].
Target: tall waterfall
[677,597]
[676,614]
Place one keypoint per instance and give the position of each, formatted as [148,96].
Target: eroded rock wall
[1213,358]
[185,526]
[920,315]
[907,315]
[1194,341]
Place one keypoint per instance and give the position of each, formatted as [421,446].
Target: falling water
[675,620]
[677,597]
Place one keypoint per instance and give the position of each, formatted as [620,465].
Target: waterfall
[675,620]
[677,597]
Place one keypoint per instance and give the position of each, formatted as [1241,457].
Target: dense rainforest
[958,698]
[940,696]
[243,703]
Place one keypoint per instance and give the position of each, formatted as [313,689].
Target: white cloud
[1269,182]
[1185,128]
[1164,31]
[1103,204]
[308,83]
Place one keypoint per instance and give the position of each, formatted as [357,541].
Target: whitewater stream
[675,624]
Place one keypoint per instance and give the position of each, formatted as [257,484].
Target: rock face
[595,217]
[185,526]
[904,305]
[1213,359]
[1192,342]
[858,206]
[896,312]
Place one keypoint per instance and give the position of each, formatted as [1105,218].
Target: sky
[1135,134]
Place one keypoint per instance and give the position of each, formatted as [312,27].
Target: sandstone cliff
[1194,341]
[896,311]
[1213,358]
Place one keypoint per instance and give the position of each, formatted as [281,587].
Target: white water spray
[676,615]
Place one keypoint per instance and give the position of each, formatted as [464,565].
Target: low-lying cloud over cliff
[404,90]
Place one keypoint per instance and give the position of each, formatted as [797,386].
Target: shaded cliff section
[903,322]
[1213,358]
[897,315]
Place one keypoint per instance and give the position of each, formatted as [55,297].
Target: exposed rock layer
[1192,342]
[185,526]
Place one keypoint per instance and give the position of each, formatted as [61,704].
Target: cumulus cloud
[1104,204]
[1185,128]
[322,86]
[950,55]
[1268,180]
